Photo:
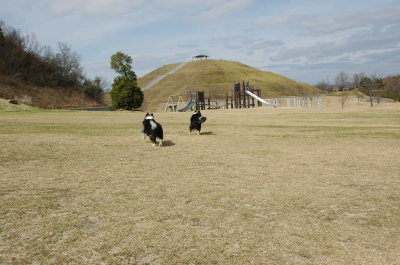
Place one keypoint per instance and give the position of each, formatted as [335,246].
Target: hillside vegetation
[45,97]
[49,79]
[216,79]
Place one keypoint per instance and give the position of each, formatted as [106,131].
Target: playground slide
[260,99]
[188,106]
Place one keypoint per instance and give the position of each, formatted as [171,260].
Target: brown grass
[44,97]
[259,186]
[6,106]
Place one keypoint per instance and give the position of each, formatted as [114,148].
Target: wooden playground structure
[240,99]
[174,103]
[242,95]
[196,101]
[199,99]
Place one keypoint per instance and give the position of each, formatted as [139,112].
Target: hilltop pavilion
[200,57]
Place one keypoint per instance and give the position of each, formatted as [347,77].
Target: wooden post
[197,100]
[244,95]
[234,97]
[247,97]
[239,99]
[259,95]
[237,102]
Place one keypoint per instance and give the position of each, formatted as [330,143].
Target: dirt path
[159,78]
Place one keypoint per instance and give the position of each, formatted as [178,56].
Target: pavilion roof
[200,56]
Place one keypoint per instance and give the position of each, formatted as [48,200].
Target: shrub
[126,94]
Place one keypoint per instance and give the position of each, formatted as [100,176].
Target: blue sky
[308,40]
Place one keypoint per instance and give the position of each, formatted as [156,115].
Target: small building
[200,57]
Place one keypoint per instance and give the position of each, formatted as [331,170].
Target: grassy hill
[216,78]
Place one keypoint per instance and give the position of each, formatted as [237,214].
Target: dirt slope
[45,97]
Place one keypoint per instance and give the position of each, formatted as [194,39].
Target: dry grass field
[259,186]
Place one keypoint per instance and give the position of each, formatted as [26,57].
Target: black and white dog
[152,129]
[195,122]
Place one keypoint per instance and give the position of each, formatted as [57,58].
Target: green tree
[121,63]
[365,83]
[366,86]
[125,93]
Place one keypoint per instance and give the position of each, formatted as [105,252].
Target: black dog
[152,129]
[195,122]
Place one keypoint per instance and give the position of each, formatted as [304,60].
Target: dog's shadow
[206,133]
[168,143]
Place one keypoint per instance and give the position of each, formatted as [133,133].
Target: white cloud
[368,41]
[92,7]
[313,26]
[187,9]
[364,19]
[280,22]
[187,45]
[266,44]
[224,8]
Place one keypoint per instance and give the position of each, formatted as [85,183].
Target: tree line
[375,86]
[24,60]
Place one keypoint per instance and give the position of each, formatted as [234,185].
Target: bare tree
[356,79]
[323,86]
[359,96]
[69,63]
[377,86]
[101,82]
[31,44]
[344,97]
[46,53]
[342,81]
